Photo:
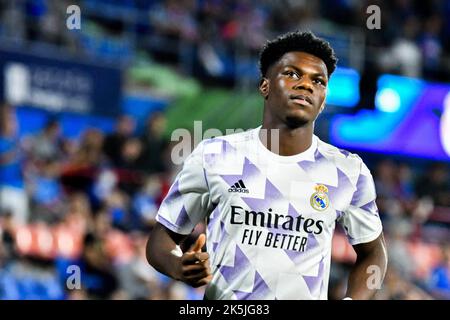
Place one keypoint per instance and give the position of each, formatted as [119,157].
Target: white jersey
[270,218]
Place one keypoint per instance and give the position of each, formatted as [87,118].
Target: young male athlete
[271,203]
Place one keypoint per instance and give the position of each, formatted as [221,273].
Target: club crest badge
[319,199]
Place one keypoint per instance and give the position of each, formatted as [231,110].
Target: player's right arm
[186,204]
[164,254]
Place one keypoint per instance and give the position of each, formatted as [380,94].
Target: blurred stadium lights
[387,100]
[445,124]
[408,120]
[343,88]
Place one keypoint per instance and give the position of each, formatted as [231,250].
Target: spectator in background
[79,173]
[176,19]
[47,196]
[7,242]
[90,150]
[130,154]
[114,142]
[98,278]
[117,204]
[431,47]
[13,195]
[435,184]
[439,282]
[145,203]
[130,168]
[401,258]
[155,145]
[48,143]
[36,10]
[139,280]
[78,216]
[14,20]
[389,190]
[398,288]
[404,57]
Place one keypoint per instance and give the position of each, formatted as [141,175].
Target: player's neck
[290,142]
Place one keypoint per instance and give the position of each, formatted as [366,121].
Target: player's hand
[195,269]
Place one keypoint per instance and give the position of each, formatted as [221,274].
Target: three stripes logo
[238,187]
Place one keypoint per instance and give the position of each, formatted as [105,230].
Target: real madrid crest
[319,199]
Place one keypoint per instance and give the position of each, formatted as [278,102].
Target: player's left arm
[369,270]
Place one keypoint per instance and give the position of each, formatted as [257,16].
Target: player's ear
[264,87]
[322,106]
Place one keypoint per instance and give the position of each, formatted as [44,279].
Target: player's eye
[292,74]
[319,81]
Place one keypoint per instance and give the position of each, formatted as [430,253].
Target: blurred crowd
[414,204]
[413,39]
[220,39]
[91,202]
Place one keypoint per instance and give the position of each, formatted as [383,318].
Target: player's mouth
[301,99]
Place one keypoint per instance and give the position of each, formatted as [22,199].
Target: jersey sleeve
[188,199]
[361,220]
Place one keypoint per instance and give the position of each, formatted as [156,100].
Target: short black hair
[304,41]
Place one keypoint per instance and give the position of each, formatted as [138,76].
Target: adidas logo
[238,187]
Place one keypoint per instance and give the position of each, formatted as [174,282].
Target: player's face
[295,88]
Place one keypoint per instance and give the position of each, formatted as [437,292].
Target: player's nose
[304,83]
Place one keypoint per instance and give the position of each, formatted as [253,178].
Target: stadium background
[87,116]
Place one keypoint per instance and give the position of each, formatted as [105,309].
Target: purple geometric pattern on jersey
[214,218]
[292,212]
[371,207]
[248,170]
[239,268]
[361,186]
[173,193]
[344,152]
[297,256]
[183,218]
[310,244]
[223,235]
[260,290]
[226,148]
[314,282]
[271,194]
[210,158]
[306,165]
[167,223]
[336,194]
